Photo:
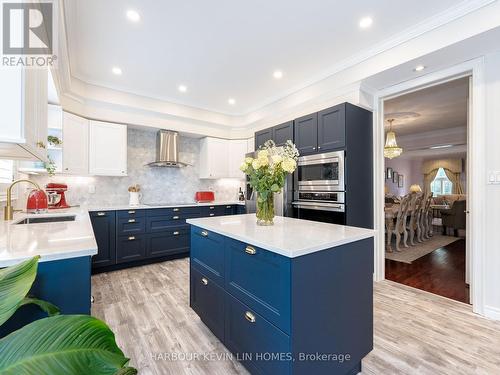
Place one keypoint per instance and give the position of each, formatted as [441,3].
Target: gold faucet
[8,211]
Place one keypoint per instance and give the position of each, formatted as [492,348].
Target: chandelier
[391,149]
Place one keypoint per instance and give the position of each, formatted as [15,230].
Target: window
[6,176]
[441,184]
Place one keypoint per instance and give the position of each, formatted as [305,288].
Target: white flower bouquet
[267,174]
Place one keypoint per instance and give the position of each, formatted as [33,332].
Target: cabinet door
[283,133]
[331,128]
[130,248]
[251,144]
[11,97]
[306,134]
[75,144]
[107,149]
[262,136]
[214,158]
[103,224]
[237,152]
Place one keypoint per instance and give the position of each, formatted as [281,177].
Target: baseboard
[492,312]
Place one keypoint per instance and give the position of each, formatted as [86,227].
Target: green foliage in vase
[57,345]
[53,140]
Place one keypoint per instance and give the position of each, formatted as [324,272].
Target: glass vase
[265,210]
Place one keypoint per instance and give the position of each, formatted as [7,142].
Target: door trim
[476,167]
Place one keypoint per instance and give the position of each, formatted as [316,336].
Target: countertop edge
[147,207]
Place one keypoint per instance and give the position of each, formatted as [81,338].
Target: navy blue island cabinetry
[281,301]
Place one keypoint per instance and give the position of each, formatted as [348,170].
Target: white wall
[492,143]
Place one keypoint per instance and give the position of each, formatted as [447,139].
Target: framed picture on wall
[401,181]
[389,174]
[395,177]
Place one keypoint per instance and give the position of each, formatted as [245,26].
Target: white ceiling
[225,48]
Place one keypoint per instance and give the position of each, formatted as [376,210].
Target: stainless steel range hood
[167,151]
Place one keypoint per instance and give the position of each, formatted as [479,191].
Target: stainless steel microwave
[321,172]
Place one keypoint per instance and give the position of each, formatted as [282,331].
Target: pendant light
[391,149]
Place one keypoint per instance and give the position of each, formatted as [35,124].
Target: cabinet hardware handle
[212,214]
[67,169]
[250,317]
[204,281]
[176,209]
[250,250]
[212,207]
[228,206]
[131,212]
[319,147]
[131,238]
[101,214]
[175,217]
[314,148]
[204,233]
[131,220]
[176,233]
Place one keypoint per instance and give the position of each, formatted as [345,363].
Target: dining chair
[426,219]
[413,225]
[400,227]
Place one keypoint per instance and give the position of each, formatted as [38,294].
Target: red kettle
[37,202]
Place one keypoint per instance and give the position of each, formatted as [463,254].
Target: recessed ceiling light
[278,74]
[182,88]
[231,101]
[133,16]
[441,146]
[419,68]
[365,22]
[116,71]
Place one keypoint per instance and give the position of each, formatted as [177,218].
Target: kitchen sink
[51,219]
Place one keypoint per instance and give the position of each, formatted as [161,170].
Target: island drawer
[173,241]
[161,223]
[249,334]
[207,253]
[128,214]
[130,248]
[129,226]
[260,279]
[207,299]
[174,211]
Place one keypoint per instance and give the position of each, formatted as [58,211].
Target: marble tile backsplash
[157,184]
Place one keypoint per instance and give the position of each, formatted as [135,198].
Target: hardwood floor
[441,272]
[415,332]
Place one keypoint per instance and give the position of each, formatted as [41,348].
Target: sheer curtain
[455,180]
[428,178]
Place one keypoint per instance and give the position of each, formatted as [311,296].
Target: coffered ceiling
[226,49]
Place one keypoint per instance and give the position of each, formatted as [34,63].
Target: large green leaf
[15,283]
[63,345]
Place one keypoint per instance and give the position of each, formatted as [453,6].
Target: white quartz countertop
[168,205]
[52,241]
[288,237]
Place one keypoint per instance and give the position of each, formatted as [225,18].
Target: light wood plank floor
[415,332]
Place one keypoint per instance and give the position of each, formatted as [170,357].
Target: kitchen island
[293,298]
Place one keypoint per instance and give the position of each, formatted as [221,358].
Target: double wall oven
[320,188]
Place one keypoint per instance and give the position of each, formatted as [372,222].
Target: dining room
[426,189]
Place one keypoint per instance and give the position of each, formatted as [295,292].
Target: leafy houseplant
[57,345]
[267,174]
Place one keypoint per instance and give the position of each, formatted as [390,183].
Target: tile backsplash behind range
[157,184]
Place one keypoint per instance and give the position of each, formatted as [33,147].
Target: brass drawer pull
[131,220]
[228,206]
[176,233]
[212,214]
[131,238]
[250,250]
[212,207]
[176,209]
[204,233]
[175,217]
[101,214]
[131,212]
[250,317]
[204,281]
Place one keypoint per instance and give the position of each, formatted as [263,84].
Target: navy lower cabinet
[311,314]
[134,237]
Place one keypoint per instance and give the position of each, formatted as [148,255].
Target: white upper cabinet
[23,124]
[251,144]
[107,149]
[237,151]
[75,145]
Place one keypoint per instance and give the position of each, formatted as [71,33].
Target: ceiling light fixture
[133,16]
[419,68]
[391,149]
[231,101]
[116,71]
[182,88]
[365,22]
[278,74]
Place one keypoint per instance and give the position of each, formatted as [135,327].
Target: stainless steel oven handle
[302,163]
[319,207]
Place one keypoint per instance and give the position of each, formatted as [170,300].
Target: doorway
[425,190]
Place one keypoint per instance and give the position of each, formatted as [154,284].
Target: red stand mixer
[56,197]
